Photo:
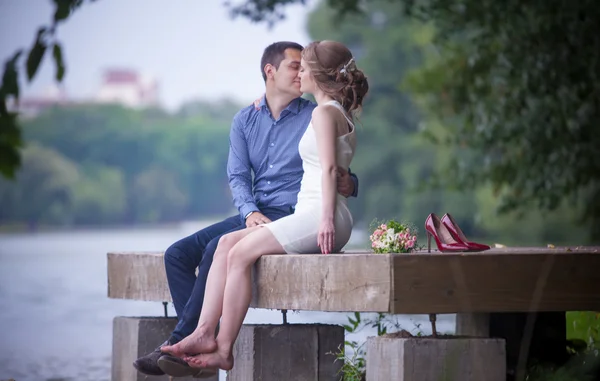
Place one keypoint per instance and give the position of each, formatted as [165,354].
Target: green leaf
[36,54]
[63,10]
[10,83]
[10,141]
[58,61]
[348,328]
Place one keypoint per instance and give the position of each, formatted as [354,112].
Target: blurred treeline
[106,164]
[98,165]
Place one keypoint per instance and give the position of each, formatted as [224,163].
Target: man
[263,141]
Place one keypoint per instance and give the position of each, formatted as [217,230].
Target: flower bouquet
[393,237]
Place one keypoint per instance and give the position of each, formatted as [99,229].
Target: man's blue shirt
[267,148]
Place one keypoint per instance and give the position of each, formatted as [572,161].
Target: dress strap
[339,107]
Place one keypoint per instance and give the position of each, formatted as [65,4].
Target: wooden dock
[510,303]
[498,280]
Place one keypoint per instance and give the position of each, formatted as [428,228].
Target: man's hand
[345,185]
[257,102]
[255,219]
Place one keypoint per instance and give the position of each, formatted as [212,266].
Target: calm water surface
[55,317]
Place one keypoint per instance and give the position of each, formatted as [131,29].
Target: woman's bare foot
[197,342]
[212,360]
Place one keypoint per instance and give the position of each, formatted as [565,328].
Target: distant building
[129,88]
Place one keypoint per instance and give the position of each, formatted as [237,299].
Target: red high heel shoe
[443,238]
[458,234]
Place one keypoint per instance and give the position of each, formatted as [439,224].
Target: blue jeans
[196,251]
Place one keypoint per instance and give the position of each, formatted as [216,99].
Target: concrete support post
[429,359]
[299,352]
[134,337]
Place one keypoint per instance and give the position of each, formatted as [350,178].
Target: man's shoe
[176,367]
[148,364]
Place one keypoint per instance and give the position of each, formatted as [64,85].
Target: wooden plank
[137,276]
[498,280]
[344,282]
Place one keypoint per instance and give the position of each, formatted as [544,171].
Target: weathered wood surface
[497,280]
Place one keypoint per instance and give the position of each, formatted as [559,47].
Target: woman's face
[307,82]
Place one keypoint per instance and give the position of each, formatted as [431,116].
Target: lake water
[55,317]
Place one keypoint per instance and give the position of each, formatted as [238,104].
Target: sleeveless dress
[298,233]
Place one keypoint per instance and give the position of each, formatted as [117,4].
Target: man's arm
[354,179]
[239,170]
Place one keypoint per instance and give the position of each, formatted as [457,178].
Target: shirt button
[265,194]
[272,144]
[271,166]
[268,182]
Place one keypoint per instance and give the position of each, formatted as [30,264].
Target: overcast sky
[192,47]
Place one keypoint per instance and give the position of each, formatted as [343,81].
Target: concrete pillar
[429,359]
[299,352]
[134,337]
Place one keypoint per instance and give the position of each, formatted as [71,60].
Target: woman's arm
[324,124]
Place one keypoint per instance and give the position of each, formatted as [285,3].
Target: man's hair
[275,53]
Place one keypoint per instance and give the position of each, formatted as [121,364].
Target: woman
[322,220]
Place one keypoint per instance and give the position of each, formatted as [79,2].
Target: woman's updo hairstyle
[334,70]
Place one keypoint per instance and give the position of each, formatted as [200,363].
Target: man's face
[286,77]
[307,83]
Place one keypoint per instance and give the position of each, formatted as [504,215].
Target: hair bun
[334,69]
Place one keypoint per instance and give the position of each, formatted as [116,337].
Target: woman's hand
[326,240]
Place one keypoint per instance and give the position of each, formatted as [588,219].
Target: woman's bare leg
[238,293]
[202,339]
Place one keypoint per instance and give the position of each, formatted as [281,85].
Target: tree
[514,83]
[43,190]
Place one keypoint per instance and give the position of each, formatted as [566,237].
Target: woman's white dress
[298,232]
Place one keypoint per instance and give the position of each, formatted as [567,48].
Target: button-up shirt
[268,148]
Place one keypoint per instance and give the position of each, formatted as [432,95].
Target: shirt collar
[293,107]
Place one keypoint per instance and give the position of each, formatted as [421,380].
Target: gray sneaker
[148,364]
[176,367]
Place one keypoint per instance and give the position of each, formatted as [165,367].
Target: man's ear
[269,70]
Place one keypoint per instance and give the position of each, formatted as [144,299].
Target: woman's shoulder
[329,110]
[324,111]
[325,115]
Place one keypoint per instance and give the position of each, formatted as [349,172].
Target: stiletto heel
[458,234]
[428,242]
[443,238]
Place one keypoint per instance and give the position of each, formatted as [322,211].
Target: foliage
[45,41]
[105,164]
[581,367]
[584,326]
[354,354]
[516,87]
